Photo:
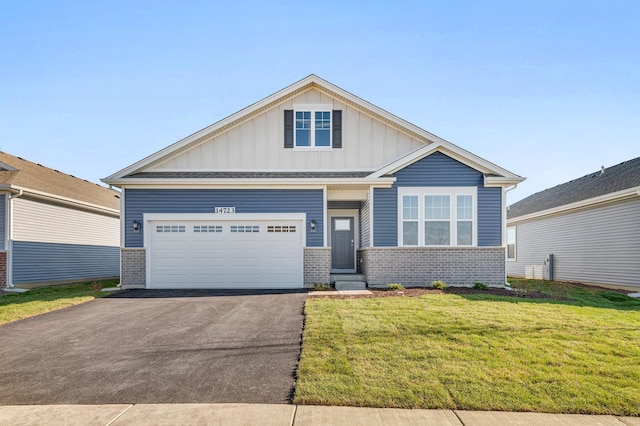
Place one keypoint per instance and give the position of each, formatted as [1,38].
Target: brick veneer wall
[317,265]
[133,272]
[3,269]
[420,266]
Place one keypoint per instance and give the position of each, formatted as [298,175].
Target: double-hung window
[312,126]
[437,216]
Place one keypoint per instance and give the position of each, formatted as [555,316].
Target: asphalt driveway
[156,346]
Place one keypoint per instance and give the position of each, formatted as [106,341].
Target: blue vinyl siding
[385,217]
[437,169]
[43,262]
[3,219]
[489,217]
[140,201]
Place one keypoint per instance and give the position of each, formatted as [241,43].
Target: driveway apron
[154,346]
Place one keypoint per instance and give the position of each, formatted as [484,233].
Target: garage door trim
[150,218]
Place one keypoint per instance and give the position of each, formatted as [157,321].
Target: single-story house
[305,183]
[55,228]
[591,226]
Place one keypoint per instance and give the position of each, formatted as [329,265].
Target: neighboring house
[591,225]
[310,181]
[54,228]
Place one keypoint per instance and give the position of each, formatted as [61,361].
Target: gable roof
[493,174]
[601,183]
[307,83]
[16,173]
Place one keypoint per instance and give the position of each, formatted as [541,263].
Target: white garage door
[225,253]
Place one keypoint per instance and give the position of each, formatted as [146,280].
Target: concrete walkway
[286,415]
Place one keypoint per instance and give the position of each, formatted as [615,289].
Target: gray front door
[342,244]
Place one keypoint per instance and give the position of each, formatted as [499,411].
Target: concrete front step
[346,277]
[350,285]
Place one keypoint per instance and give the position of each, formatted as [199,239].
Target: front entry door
[342,244]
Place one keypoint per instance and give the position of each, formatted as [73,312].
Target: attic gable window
[312,127]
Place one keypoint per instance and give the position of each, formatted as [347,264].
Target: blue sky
[547,89]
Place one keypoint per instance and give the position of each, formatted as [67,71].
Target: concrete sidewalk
[286,415]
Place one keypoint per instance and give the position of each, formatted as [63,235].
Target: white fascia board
[149,217]
[499,181]
[452,151]
[260,183]
[591,202]
[62,200]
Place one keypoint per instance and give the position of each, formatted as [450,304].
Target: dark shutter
[288,128]
[337,129]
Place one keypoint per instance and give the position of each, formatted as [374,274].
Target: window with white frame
[437,216]
[313,126]
[511,243]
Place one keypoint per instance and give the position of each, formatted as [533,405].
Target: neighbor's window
[511,243]
[437,216]
[313,128]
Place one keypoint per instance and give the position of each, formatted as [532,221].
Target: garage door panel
[226,254]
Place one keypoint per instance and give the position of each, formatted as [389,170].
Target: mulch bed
[419,291]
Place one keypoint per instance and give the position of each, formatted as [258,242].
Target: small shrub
[395,286]
[321,286]
[439,285]
[480,286]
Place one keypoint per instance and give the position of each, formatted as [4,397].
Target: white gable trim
[274,100]
[454,152]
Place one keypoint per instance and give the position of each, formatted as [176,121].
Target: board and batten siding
[440,170]
[140,201]
[3,221]
[600,245]
[257,144]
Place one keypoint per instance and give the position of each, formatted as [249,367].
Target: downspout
[9,230]
[504,232]
[18,195]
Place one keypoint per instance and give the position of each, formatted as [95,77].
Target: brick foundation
[420,266]
[317,265]
[3,269]
[133,268]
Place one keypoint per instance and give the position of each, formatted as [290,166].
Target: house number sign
[224,210]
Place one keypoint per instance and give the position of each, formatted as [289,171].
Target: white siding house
[55,228]
[591,225]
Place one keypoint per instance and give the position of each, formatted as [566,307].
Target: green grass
[16,306]
[474,352]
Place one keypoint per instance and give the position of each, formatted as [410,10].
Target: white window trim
[313,108]
[452,192]
[515,248]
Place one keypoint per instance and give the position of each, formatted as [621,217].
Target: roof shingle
[37,177]
[613,179]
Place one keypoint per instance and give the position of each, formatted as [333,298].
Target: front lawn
[16,306]
[474,352]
